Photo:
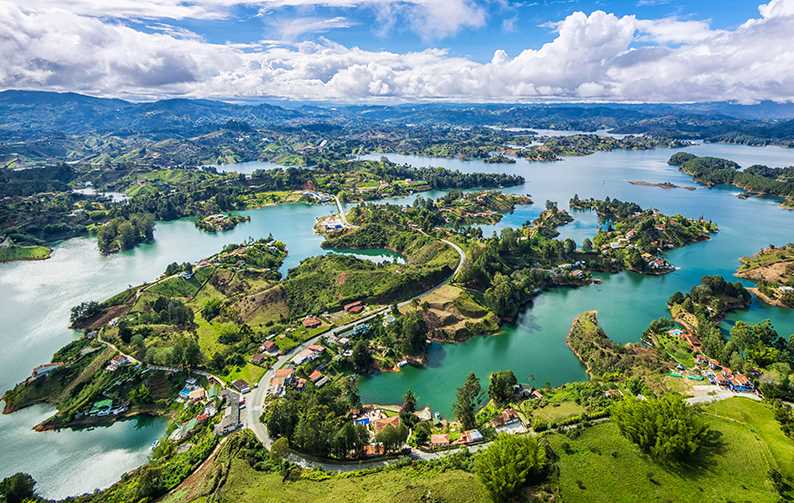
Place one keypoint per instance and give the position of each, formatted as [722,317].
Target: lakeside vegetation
[10,252]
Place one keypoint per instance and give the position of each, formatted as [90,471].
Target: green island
[756,180]
[220,222]
[772,269]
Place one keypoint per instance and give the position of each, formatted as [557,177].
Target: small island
[772,269]
[661,185]
[220,222]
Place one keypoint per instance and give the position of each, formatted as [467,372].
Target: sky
[403,50]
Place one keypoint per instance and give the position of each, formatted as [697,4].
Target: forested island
[755,180]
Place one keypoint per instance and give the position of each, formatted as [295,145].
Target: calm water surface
[36,297]
[534,348]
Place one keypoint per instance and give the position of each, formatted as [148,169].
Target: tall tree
[469,397]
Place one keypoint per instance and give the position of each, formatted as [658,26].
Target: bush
[511,462]
[666,428]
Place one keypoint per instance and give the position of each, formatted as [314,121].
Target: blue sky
[403,50]
[510,25]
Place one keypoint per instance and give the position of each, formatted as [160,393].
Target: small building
[508,416]
[269,347]
[241,386]
[258,358]
[439,440]
[471,437]
[321,382]
[197,395]
[354,307]
[379,424]
[231,418]
[312,322]
[315,376]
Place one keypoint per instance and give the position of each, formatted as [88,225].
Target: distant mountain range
[38,114]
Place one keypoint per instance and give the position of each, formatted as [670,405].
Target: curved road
[256,398]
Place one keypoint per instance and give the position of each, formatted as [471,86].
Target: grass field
[14,252]
[405,485]
[555,412]
[250,373]
[602,466]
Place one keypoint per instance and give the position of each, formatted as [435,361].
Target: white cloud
[432,19]
[592,57]
[295,27]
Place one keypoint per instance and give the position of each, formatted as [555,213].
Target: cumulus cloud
[596,56]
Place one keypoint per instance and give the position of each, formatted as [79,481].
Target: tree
[500,386]
[362,359]
[211,309]
[408,408]
[667,428]
[18,488]
[422,432]
[511,462]
[140,395]
[392,438]
[468,399]
[587,245]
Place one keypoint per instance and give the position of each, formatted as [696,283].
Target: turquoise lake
[36,297]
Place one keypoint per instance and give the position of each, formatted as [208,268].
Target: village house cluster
[714,371]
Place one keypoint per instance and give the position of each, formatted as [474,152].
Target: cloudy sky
[403,50]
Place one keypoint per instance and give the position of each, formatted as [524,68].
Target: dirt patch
[773,273]
[109,314]
[274,298]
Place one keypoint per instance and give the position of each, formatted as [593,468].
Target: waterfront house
[373,450]
[507,416]
[379,424]
[439,440]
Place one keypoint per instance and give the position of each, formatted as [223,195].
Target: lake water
[534,348]
[36,297]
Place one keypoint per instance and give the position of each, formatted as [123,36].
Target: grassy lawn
[557,411]
[14,252]
[250,373]
[208,334]
[601,465]
[404,485]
